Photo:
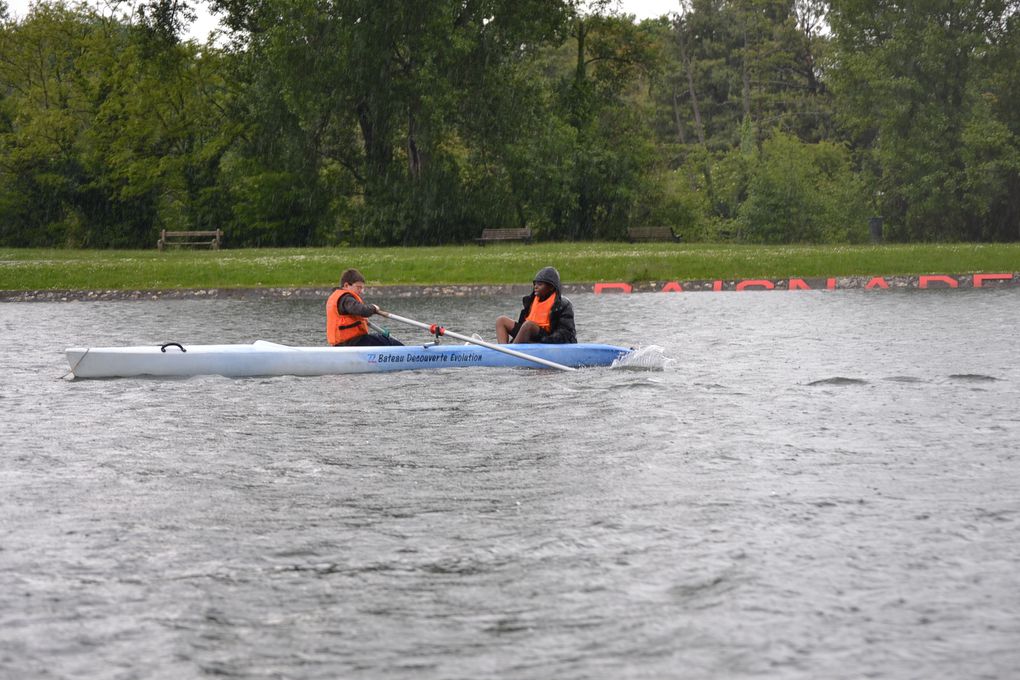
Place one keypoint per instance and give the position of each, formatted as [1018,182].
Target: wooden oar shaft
[436,329]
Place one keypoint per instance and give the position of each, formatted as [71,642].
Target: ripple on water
[972,377]
[837,381]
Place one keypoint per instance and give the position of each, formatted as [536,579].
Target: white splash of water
[650,358]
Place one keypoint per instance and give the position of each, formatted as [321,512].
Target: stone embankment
[258,293]
[924,281]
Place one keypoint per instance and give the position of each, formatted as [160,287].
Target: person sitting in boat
[547,317]
[347,315]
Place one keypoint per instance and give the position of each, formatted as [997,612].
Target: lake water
[818,484]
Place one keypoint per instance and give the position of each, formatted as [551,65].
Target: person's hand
[376,308]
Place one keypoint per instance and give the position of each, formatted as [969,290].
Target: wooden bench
[190,238]
[498,235]
[651,234]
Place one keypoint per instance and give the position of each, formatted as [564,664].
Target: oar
[439,330]
[378,329]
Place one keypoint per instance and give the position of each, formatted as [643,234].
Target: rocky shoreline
[944,281]
[258,293]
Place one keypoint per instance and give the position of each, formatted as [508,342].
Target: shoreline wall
[920,282]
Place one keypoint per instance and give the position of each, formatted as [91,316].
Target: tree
[803,193]
[41,175]
[601,105]
[920,86]
[753,62]
[106,136]
[375,91]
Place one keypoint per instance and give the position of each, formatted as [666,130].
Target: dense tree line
[378,122]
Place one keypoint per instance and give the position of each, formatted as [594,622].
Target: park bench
[498,235]
[651,234]
[211,239]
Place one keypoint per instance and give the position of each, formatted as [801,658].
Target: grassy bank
[578,263]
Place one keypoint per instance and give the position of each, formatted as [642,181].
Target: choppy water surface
[819,484]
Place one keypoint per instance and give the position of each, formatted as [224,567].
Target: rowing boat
[262,358]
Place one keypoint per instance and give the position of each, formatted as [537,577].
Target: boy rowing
[347,315]
[547,316]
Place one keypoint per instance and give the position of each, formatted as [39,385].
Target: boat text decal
[426,358]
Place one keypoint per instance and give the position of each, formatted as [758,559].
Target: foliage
[106,139]
[803,193]
[922,85]
[386,122]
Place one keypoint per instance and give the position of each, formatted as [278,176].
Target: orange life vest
[341,328]
[540,312]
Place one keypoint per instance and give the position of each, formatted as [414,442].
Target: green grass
[33,269]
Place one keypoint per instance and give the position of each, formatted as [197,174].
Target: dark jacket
[349,305]
[561,320]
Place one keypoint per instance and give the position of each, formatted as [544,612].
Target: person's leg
[372,340]
[504,329]
[528,332]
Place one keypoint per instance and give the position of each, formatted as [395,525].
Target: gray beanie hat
[548,275]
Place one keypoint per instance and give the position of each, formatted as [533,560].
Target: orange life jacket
[540,312]
[341,328]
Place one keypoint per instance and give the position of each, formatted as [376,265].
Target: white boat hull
[263,358]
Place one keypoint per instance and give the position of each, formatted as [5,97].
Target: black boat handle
[172,344]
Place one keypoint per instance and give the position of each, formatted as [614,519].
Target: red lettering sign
[979,279]
[923,281]
[672,287]
[622,287]
[876,282]
[801,284]
[756,283]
